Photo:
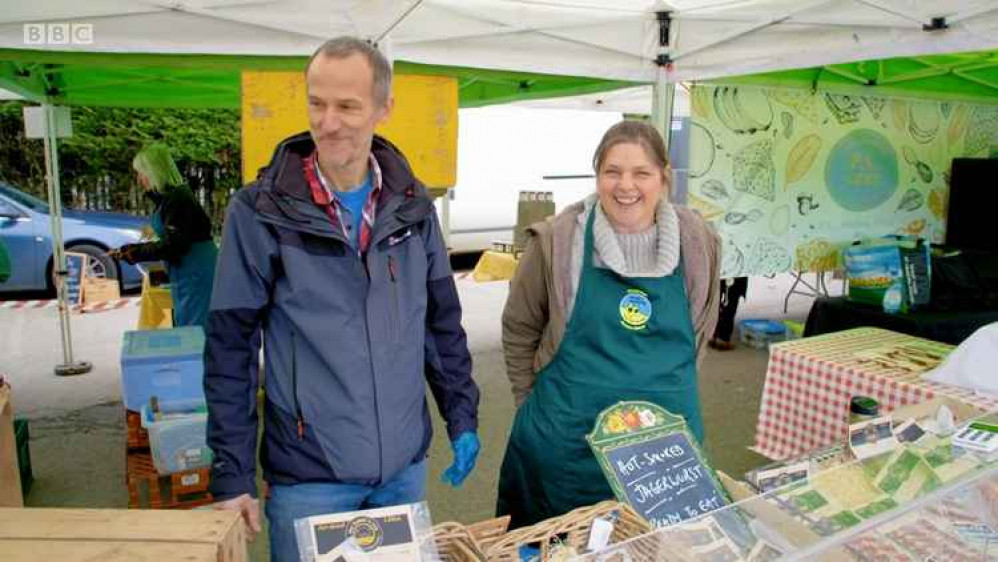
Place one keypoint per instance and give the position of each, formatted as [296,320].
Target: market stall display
[809,384]
[928,498]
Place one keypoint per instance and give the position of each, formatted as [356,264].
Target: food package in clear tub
[401,533]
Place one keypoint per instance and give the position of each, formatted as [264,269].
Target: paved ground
[77,424]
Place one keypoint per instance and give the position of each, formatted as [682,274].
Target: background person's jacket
[184,221]
[350,342]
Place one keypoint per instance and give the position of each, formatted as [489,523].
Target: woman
[184,232]
[612,300]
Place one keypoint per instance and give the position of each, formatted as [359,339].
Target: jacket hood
[286,173]
[285,197]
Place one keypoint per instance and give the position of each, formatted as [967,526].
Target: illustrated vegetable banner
[789,177]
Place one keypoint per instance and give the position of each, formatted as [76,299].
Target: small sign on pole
[34,122]
[76,271]
[653,463]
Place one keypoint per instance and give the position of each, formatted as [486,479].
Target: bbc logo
[58,33]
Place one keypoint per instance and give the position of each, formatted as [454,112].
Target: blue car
[26,234]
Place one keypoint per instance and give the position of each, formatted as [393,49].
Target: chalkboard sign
[653,464]
[665,480]
[76,267]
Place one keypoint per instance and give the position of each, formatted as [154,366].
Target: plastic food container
[177,438]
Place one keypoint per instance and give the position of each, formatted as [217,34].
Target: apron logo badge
[635,310]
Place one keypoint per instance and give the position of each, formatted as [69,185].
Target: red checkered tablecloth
[809,383]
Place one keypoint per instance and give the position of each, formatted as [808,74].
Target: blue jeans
[288,503]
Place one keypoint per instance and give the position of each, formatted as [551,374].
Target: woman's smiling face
[629,185]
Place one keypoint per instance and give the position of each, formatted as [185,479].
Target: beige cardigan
[533,321]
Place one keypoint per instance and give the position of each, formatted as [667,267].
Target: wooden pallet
[180,490]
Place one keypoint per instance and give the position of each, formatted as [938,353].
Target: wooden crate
[147,488]
[113,535]
[138,437]
[10,474]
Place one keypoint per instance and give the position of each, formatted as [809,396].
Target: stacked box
[167,364]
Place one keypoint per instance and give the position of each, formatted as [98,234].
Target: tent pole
[664,94]
[68,366]
[55,225]
[663,91]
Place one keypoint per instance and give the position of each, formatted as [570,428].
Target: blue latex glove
[465,448]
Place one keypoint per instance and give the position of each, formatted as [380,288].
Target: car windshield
[22,198]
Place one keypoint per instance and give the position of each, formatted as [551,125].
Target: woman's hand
[124,253]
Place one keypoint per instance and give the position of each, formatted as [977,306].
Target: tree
[96,162]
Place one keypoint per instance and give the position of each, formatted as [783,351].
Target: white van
[506,149]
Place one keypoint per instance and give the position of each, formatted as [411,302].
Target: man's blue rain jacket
[350,342]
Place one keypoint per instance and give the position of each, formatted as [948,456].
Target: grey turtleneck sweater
[651,253]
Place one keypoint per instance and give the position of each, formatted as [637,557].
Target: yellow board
[423,124]
[155,307]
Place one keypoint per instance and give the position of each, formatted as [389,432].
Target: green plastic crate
[23,455]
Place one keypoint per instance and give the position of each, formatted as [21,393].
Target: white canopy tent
[617,39]
[631,41]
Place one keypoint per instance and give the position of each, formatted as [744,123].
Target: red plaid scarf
[323,198]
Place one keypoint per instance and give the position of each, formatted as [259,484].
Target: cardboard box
[113,535]
[100,290]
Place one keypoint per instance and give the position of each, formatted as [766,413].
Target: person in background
[184,236]
[336,252]
[612,300]
[732,290]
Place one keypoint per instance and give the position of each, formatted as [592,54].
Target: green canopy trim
[212,81]
[960,77]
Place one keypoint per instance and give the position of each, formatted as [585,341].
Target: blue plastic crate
[760,333]
[168,364]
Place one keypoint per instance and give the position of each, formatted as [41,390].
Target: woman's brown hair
[637,132]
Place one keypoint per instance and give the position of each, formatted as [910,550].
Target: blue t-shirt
[352,208]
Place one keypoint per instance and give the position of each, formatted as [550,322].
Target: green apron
[627,339]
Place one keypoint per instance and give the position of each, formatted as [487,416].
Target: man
[336,254]
[732,290]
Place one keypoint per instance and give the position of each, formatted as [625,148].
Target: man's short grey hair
[343,47]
